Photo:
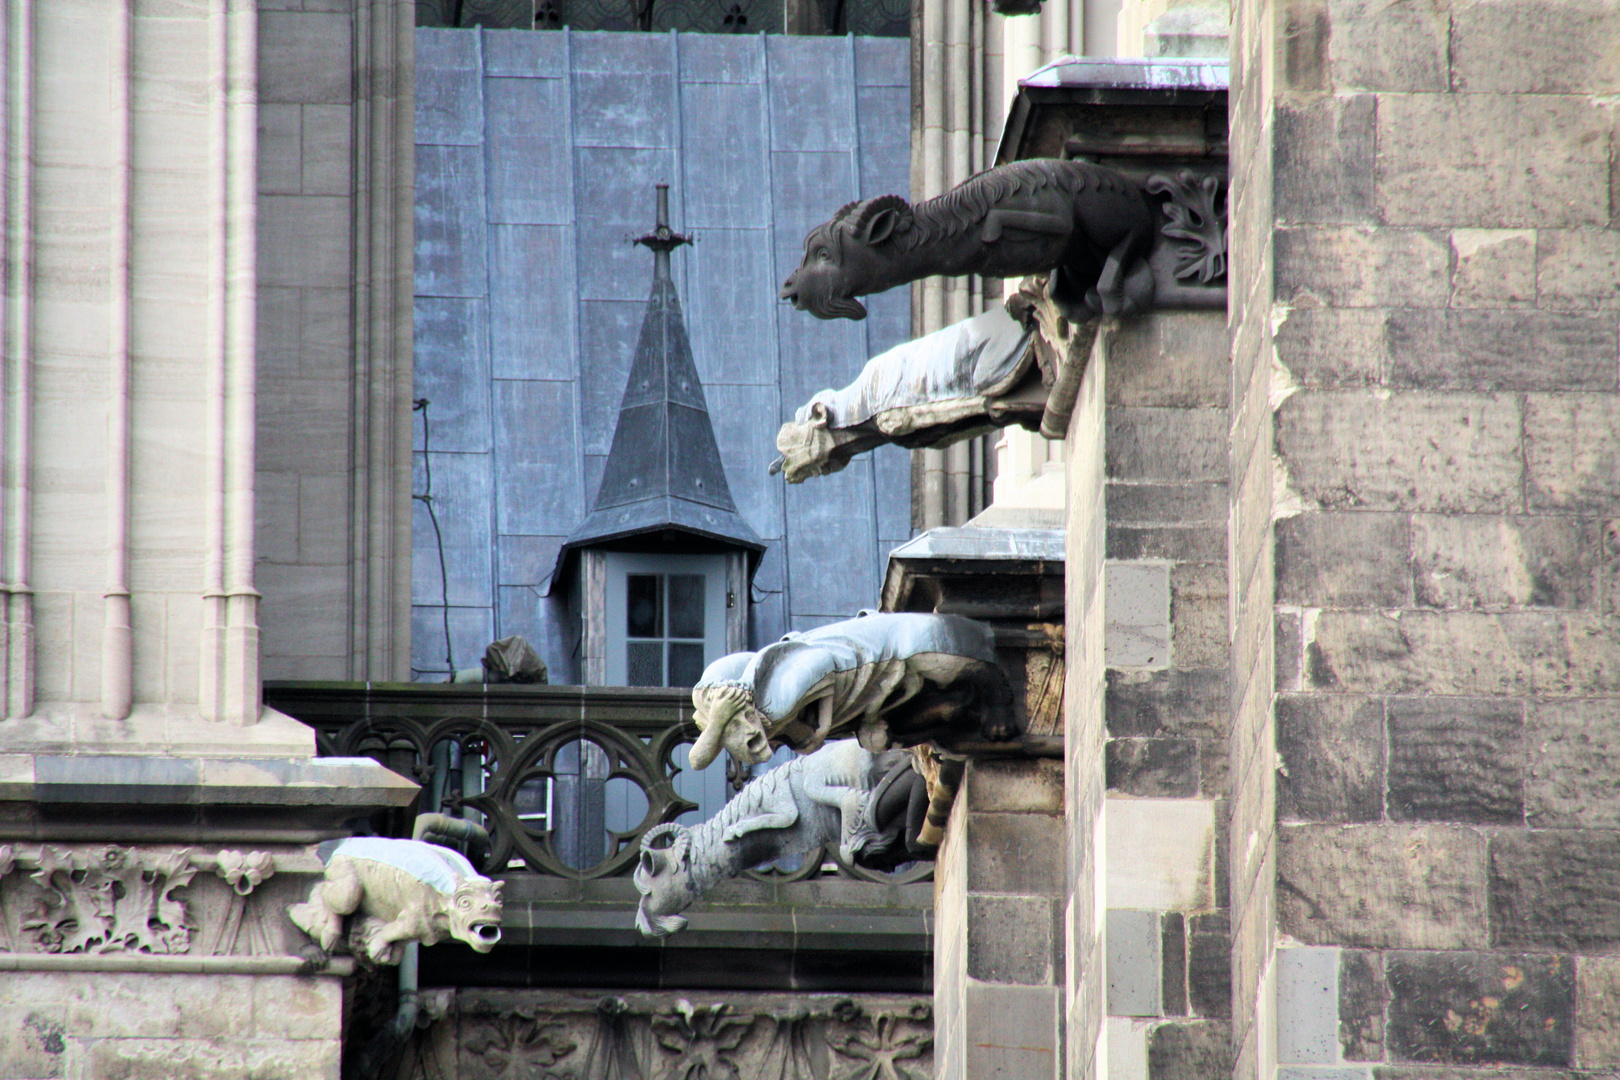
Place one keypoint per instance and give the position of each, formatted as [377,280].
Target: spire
[663,471]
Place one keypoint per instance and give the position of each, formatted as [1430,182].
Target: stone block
[1493,268]
[1162,768]
[1355,450]
[1198,613]
[1572,779]
[1137,629]
[1173,964]
[1170,359]
[1015,853]
[1166,504]
[1379,45]
[1209,963]
[1555,890]
[1456,759]
[1333,347]
[199,1059]
[1175,702]
[1500,350]
[34,1037]
[304,57]
[1010,1032]
[1198,544]
[1307,1006]
[1190,1050]
[1545,48]
[1287,649]
[1134,962]
[1343,560]
[292,1007]
[1382,886]
[1323,163]
[1012,939]
[1480,561]
[1160,853]
[1165,444]
[1363,1003]
[1439,161]
[1572,451]
[1351,267]
[1597,1023]
[1331,748]
[1578,269]
[1453,652]
[1481,1008]
[1027,786]
[327,149]
[280,150]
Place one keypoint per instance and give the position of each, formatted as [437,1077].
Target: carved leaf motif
[704,1037]
[245,871]
[518,1047]
[1195,220]
[111,900]
[875,1051]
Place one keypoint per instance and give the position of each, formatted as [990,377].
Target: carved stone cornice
[97,902]
[561,1035]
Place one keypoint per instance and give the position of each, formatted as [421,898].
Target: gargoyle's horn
[844,211]
[875,207]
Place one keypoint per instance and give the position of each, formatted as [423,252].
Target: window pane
[685,663]
[642,608]
[644,661]
[685,606]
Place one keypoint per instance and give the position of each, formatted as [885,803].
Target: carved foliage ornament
[552,1035]
[115,899]
[1196,225]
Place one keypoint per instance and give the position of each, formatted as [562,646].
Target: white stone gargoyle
[892,679]
[403,890]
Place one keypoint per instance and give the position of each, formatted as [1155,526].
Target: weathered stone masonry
[1425,481]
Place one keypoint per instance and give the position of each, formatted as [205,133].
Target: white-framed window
[665,618]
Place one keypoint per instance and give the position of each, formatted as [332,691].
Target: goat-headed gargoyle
[403,890]
[1087,225]
[890,679]
[870,806]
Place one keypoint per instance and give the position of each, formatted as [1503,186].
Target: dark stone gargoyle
[1087,225]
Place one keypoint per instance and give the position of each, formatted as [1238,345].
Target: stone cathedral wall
[1426,477]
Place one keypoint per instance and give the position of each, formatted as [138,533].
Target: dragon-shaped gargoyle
[1087,225]
[871,806]
[892,679]
[402,891]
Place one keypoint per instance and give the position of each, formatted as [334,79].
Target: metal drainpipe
[386,1045]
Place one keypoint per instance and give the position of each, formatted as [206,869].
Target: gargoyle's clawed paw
[1000,730]
[733,832]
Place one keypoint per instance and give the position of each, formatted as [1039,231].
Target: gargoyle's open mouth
[487,933]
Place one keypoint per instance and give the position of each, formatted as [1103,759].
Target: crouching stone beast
[1089,225]
[404,890]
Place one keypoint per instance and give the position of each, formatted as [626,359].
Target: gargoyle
[404,890]
[892,679]
[828,797]
[1090,226]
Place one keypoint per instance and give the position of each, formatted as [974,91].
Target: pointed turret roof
[663,471]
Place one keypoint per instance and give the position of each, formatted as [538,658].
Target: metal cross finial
[663,239]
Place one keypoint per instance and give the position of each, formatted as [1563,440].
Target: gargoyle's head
[725,713]
[475,913]
[663,875]
[847,257]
